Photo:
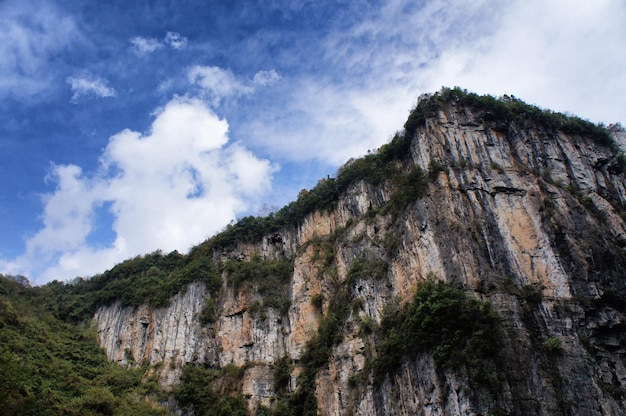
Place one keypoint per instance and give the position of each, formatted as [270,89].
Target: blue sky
[130,126]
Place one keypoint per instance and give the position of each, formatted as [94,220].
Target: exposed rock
[520,212]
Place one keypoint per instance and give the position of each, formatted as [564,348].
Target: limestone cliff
[513,211]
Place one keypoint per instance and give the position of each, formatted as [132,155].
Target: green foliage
[409,187]
[198,391]
[621,163]
[364,268]
[426,108]
[247,230]
[441,320]
[50,367]
[391,242]
[553,345]
[375,168]
[151,279]
[317,301]
[507,109]
[532,294]
[270,278]
[209,312]
[367,325]
[14,380]
[434,167]
[282,374]
[324,251]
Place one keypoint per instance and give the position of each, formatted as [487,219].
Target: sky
[128,127]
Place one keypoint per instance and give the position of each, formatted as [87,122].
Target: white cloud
[560,55]
[31,33]
[175,40]
[167,189]
[144,46]
[327,123]
[264,78]
[89,86]
[217,83]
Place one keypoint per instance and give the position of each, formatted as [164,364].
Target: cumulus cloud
[167,189]
[144,46]
[89,86]
[31,34]
[175,40]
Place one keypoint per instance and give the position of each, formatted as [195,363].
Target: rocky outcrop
[527,218]
[168,337]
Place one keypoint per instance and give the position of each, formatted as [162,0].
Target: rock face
[521,216]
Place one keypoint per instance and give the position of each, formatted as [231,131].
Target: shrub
[151,279]
[408,187]
[208,313]
[553,345]
[195,391]
[50,367]
[434,167]
[282,374]
[531,293]
[363,268]
[458,331]
[317,300]
[269,277]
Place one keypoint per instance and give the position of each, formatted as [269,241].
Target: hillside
[473,265]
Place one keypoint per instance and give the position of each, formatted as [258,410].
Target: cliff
[519,215]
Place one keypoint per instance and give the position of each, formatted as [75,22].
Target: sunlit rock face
[517,215]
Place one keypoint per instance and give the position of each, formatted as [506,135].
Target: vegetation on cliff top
[151,279]
[386,164]
[505,110]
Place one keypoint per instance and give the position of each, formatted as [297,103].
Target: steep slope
[330,306]
[49,367]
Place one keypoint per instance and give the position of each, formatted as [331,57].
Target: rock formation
[514,212]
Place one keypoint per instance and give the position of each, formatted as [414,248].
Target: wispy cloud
[217,84]
[31,34]
[175,40]
[85,86]
[264,78]
[167,189]
[551,53]
[143,46]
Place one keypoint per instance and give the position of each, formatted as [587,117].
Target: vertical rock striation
[525,217]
